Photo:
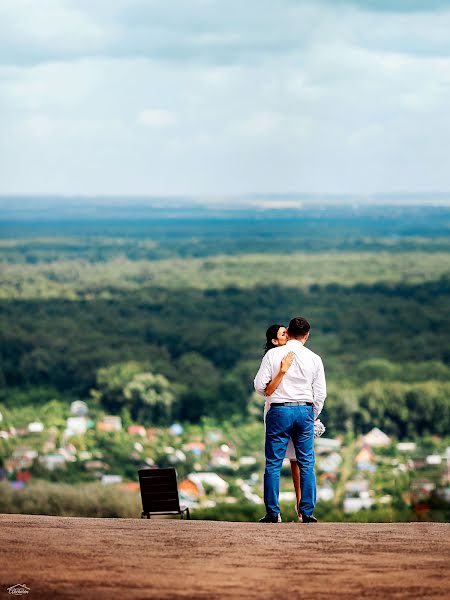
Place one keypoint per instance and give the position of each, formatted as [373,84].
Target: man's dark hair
[298,327]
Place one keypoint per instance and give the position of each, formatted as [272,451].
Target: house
[249,494]
[325,493]
[189,488]
[22,457]
[331,477]
[152,433]
[176,429]
[79,408]
[211,480]
[376,439]
[352,505]
[433,459]
[35,427]
[214,436]
[287,497]
[19,431]
[406,446]
[111,479]
[177,456]
[95,465]
[137,430]
[247,461]
[326,445]
[196,448]
[49,445]
[110,423]
[356,486]
[219,458]
[53,461]
[364,457]
[76,426]
[330,463]
[69,452]
[229,448]
[365,460]
[24,452]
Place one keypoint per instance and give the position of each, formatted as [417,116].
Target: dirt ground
[167,559]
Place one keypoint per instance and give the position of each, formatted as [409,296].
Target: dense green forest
[176,310]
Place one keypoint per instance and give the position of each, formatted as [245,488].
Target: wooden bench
[159,493]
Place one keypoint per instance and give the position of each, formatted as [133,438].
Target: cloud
[395,6]
[138,96]
[201,31]
[156,117]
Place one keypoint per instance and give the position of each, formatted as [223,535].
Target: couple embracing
[292,378]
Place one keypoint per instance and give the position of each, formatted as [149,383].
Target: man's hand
[287,362]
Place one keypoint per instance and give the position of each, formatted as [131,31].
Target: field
[166,559]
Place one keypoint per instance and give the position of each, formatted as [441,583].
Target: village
[224,465]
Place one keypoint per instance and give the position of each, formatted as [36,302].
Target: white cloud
[156,117]
[155,97]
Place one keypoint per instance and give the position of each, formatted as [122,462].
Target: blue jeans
[283,422]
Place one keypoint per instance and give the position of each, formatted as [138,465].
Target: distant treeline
[385,349]
[81,280]
[210,233]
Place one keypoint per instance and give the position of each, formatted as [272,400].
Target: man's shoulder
[315,357]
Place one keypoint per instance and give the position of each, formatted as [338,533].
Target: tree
[146,395]
[151,397]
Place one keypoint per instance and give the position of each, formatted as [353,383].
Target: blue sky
[224,97]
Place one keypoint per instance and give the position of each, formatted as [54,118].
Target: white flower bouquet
[319,428]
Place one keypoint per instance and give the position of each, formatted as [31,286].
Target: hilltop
[167,559]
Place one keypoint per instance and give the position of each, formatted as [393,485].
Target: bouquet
[319,428]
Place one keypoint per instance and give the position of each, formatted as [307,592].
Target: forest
[166,318]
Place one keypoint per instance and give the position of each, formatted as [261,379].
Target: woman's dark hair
[271,334]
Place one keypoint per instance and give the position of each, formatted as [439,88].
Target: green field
[80,279]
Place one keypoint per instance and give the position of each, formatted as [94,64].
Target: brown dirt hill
[170,559]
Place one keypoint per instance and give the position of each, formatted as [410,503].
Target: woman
[276,336]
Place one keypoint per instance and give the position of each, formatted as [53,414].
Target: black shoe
[268,519]
[310,519]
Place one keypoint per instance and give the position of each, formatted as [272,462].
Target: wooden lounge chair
[159,493]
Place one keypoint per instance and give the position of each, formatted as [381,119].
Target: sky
[224,97]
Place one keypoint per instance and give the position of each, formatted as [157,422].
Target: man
[294,405]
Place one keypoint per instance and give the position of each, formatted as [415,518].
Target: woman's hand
[287,362]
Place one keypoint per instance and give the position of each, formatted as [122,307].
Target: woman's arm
[285,364]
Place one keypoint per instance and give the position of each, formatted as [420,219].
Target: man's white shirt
[303,381]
